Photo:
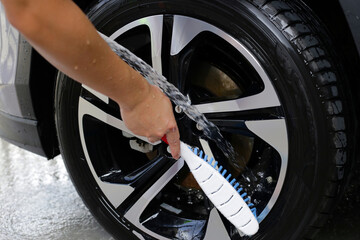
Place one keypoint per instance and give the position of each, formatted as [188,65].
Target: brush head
[222,190]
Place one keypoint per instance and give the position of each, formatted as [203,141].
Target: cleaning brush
[223,192]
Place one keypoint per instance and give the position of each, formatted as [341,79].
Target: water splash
[211,131]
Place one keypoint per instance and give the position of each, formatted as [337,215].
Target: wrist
[136,92]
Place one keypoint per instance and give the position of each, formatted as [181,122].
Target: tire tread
[303,35]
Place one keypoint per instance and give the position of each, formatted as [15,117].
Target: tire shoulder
[300,33]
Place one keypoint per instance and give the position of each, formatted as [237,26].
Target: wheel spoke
[275,134]
[116,194]
[135,211]
[263,100]
[143,179]
[86,108]
[233,126]
[138,177]
[182,36]
[206,148]
[234,122]
[216,229]
[100,96]
[271,131]
[155,24]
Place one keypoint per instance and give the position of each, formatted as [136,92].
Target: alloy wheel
[139,181]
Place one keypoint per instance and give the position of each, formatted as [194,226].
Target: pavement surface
[38,201]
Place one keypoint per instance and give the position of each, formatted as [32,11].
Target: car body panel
[15,62]
[8,62]
[352,13]
[18,123]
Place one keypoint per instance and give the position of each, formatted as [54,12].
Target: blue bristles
[228,177]
[196,151]
[223,172]
[215,164]
[253,210]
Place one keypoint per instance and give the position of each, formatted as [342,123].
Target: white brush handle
[220,192]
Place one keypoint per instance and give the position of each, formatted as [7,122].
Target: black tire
[292,48]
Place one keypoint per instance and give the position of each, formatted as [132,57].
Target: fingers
[153,139]
[173,138]
[153,118]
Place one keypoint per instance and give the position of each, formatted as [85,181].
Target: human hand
[153,118]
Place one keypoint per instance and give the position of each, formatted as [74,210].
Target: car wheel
[262,71]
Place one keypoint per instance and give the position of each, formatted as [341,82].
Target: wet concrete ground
[38,201]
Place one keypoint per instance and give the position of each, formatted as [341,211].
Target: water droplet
[269,179]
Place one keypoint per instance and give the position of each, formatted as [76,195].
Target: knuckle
[172,126]
[159,134]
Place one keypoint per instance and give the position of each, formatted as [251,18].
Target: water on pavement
[38,200]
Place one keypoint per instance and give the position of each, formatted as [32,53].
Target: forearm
[50,25]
